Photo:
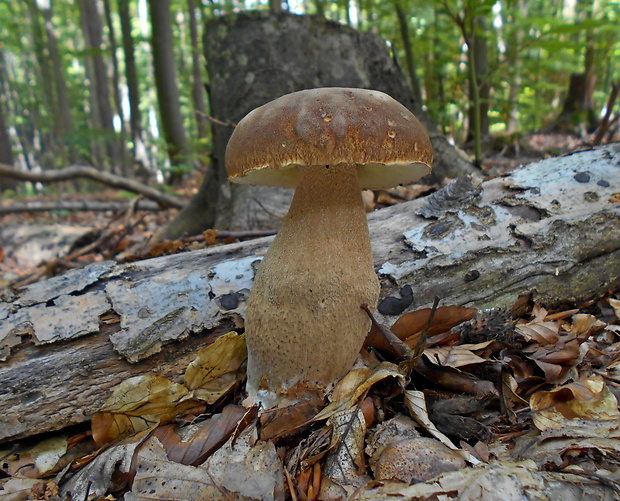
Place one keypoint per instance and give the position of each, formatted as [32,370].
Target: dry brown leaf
[508,481]
[457,356]
[345,464]
[217,368]
[584,325]
[581,408]
[356,383]
[615,304]
[138,404]
[20,489]
[409,326]
[454,379]
[542,332]
[36,461]
[290,415]
[193,444]
[247,468]
[100,475]
[157,478]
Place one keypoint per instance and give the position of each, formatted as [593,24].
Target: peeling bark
[550,230]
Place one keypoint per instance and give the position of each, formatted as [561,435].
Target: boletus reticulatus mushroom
[304,322]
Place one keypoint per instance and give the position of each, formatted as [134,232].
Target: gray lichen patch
[159,310]
[63,318]
[73,281]
[69,317]
[56,309]
[561,187]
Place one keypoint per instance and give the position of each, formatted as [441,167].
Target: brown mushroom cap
[330,126]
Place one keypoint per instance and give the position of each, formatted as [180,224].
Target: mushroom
[304,322]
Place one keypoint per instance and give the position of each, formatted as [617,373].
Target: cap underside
[372,176]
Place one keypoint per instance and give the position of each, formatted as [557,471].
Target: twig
[422,343]
[228,123]
[240,234]
[289,482]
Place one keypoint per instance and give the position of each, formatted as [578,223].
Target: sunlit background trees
[122,84]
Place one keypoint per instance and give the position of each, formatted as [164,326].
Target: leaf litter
[523,407]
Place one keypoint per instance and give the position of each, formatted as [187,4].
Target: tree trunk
[131,74]
[107,145]
[256,57]
[166,83]
[63,122]
[403,24]
[578,105]
[480,67]
[549,232]
[197,85]
[6,150]
[120,167]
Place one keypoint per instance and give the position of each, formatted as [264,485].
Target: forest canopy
[79,78]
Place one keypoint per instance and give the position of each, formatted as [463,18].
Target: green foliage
[532,49]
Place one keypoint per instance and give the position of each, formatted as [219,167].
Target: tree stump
[255,57]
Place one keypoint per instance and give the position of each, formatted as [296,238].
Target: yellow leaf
[217,368]
[582,408]
[137,404]
[351,387]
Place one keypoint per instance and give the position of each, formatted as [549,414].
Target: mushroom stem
[304,321]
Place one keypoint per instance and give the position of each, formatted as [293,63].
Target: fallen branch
[78,205]
[77,171]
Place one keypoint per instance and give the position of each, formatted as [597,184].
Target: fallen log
[550,232]
[107,178]
[78,205]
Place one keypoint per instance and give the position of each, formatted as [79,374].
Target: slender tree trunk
[480,63]
[45,101]
[166,83]
[320,7]
[6,152]
[116,85]
[99,87]
[433,77]
[405,34]
[63,121]
[131,74]
[275,6]
[197,84]
[513,63]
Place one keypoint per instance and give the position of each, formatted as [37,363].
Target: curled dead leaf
[137,404]
[217,368]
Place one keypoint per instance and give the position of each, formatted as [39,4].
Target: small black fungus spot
[396,305]
[472,275]
[590,196]
[230,301]
[582,177]
[603,183]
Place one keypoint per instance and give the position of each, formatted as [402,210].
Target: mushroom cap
[329,126]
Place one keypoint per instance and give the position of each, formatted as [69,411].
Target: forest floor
[497,404]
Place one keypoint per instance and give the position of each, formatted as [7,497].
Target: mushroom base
[304,323]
